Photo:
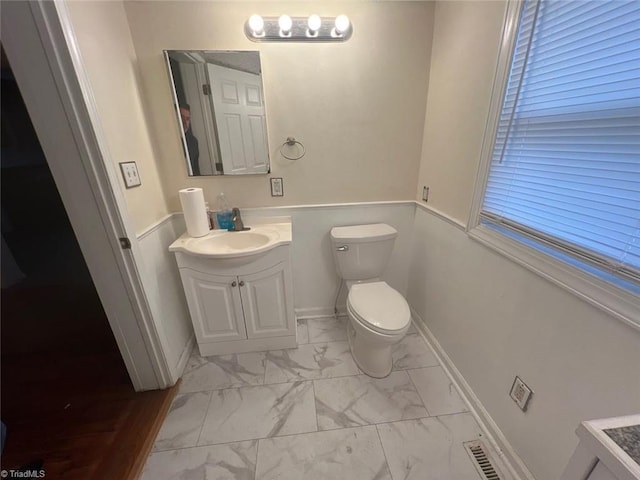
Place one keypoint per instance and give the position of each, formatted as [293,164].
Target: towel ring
[291,142]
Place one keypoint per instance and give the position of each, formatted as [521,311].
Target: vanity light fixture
[285,23]
[314,22]
[342,24]
[298,29]
[256,25]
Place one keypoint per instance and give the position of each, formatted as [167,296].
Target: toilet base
[370,351]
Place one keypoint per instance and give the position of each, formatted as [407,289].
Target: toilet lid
[379,306]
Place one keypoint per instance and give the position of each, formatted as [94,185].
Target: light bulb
[285,23]
[342,24]
[256,24]
[314,22]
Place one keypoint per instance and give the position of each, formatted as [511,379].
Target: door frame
[39,42]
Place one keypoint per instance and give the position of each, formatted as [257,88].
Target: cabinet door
[601,472]
[267,301]
[214,305]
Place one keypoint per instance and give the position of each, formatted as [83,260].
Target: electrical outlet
[520,393]
[425,194]
[277,189]
[130,174]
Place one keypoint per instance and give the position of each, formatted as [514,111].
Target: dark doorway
[49,302]
[65,390]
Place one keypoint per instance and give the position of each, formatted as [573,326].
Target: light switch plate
[130,174]
[277,189]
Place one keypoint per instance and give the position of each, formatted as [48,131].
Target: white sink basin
[232,242]
[223,244]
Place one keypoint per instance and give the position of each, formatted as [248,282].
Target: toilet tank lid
[371,232]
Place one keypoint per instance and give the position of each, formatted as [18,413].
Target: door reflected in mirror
[220,111]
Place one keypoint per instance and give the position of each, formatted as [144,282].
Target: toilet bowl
[379,317]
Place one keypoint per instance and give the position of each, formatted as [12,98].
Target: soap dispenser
[224,213]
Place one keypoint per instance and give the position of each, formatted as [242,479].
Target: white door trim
[40,44]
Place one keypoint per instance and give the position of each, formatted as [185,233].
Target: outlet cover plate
[130,174]
[277,189]
[520,393]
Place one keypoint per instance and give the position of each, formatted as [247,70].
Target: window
[564,155]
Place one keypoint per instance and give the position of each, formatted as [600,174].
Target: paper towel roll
[195,213]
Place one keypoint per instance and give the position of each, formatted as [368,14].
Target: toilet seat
[379,307]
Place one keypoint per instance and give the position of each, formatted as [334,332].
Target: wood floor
[66,397]
[79,414]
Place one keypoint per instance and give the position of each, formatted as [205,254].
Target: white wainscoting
[164,292]
[315,282]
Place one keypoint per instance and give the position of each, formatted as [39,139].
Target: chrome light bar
[298,29]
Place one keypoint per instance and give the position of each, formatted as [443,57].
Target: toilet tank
[361,252]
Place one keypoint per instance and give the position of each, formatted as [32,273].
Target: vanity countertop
[616,443]
[261,236]
[628,439]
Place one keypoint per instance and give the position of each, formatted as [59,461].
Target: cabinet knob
[242,283]
[234,283]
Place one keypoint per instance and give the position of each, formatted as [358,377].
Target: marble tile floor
[310,413]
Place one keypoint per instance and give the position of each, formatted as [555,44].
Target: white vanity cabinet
[215,306]
[264,302]
[240,304]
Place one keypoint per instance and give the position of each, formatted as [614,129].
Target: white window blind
[566,161]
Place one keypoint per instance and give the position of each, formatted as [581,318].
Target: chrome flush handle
[343,248]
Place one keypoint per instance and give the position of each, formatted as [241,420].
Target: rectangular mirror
[219,103]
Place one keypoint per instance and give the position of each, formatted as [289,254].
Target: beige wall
[358,107]
[107,52]
[463,61]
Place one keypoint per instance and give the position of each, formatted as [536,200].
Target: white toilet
[379,316]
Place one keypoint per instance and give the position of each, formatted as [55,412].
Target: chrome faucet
[236,218]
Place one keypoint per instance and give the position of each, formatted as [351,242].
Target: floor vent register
[481,460]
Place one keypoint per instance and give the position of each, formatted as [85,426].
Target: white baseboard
[184,357]
[509,458]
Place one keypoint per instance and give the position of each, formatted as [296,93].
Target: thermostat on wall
[130,174]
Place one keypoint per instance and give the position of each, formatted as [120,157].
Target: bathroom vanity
[609,449]
[239,287]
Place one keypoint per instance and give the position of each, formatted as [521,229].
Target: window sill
[616,301]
